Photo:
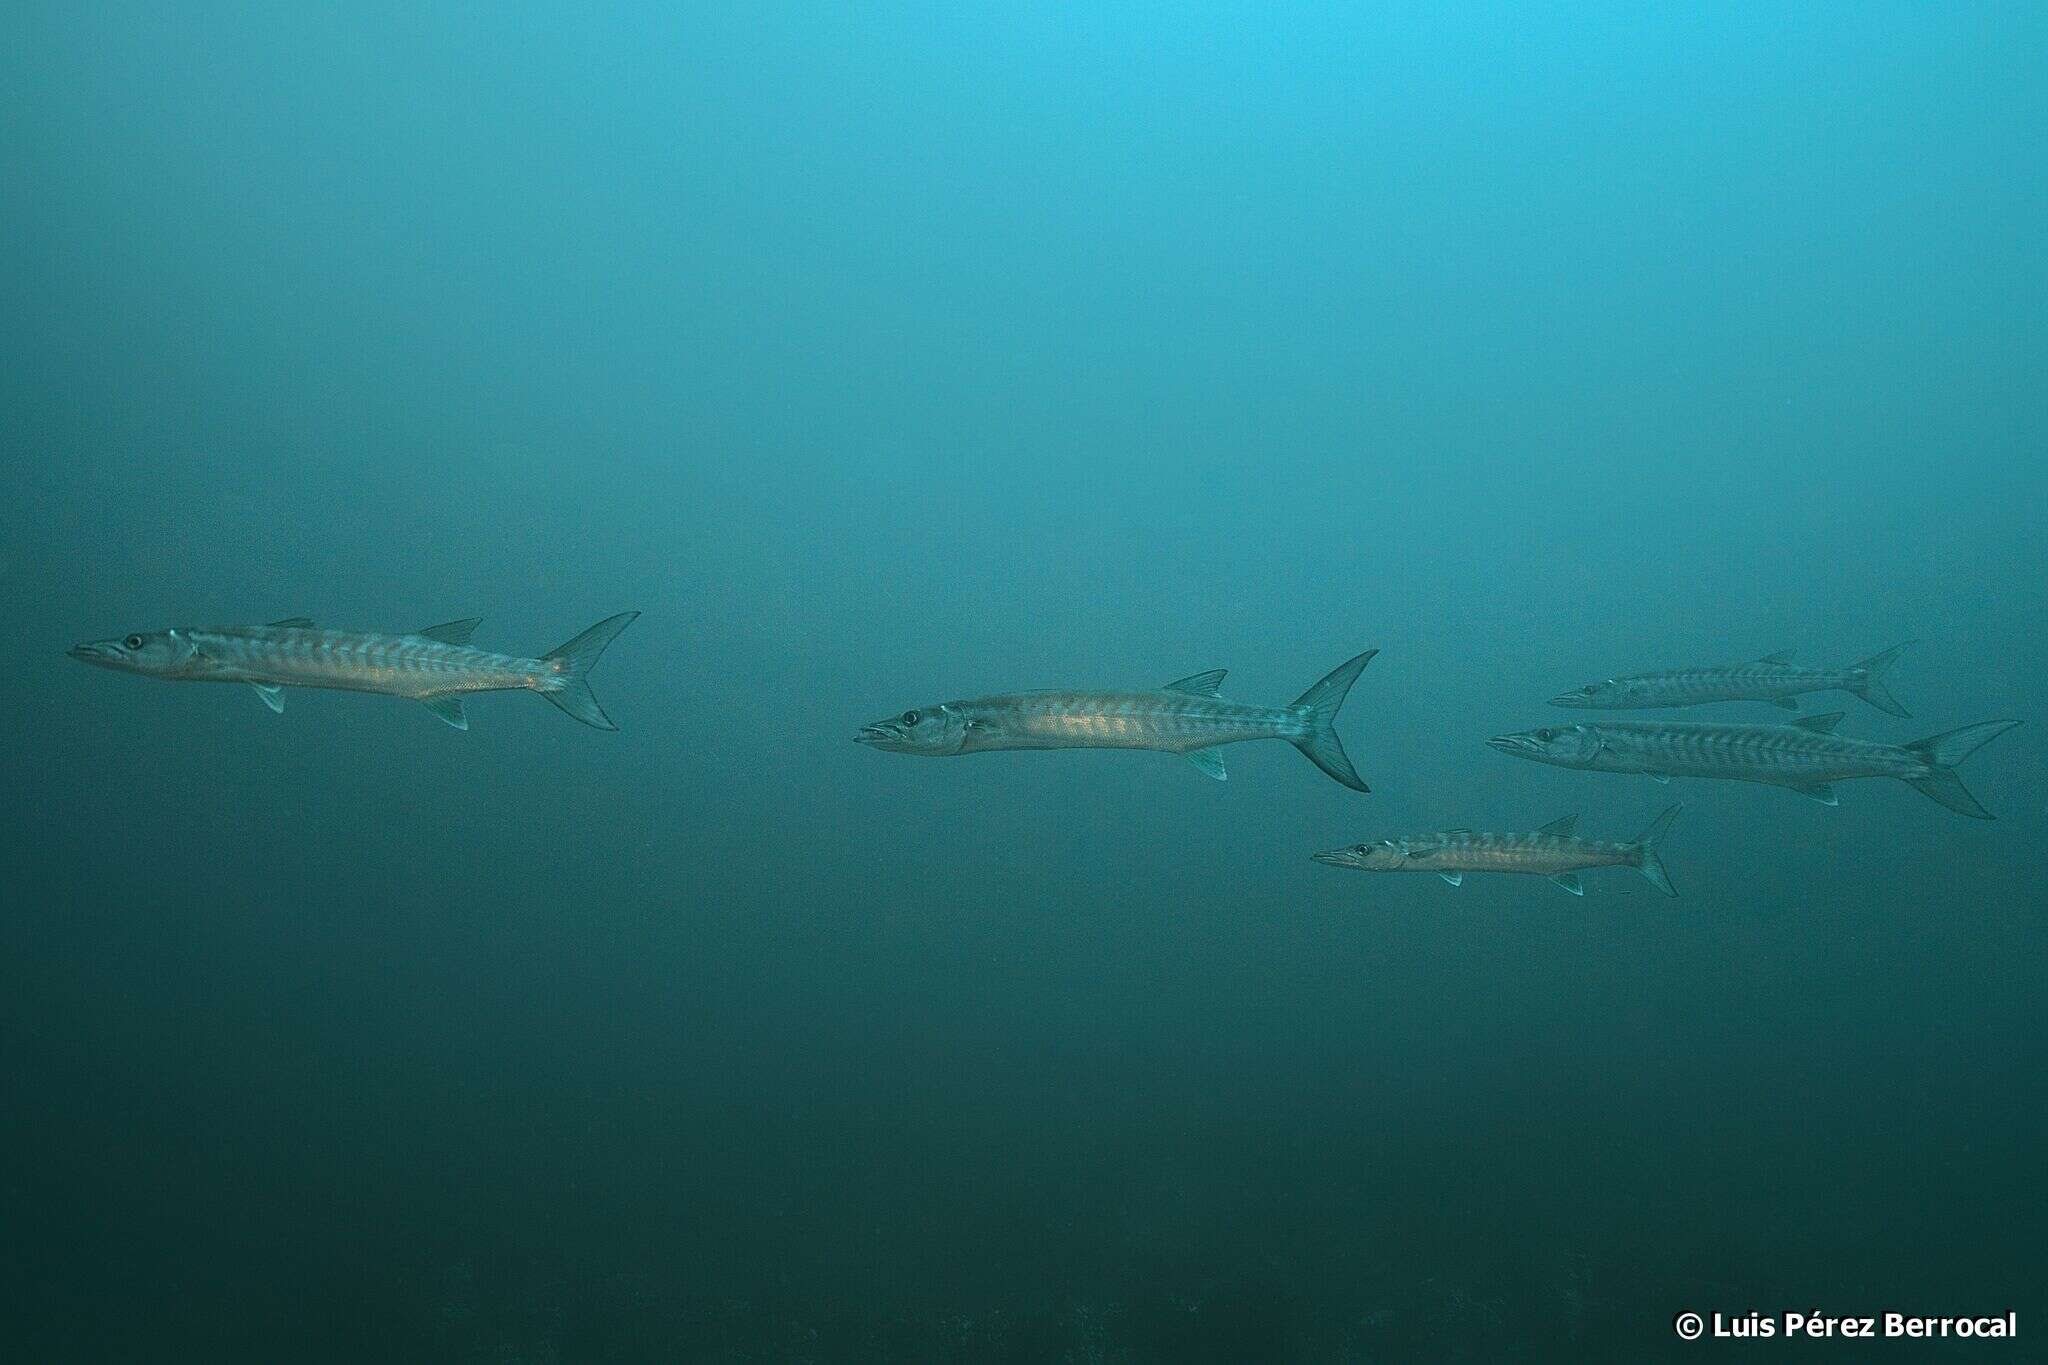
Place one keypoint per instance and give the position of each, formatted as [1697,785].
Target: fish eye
[1546,735]
[1363,848]
[132,642]
[910,717]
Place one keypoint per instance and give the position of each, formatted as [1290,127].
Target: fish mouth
[878,735]
[1569,699]
[94,654]
[1339,857]
[1514,744]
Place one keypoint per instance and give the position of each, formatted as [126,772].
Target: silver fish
[1772,678]
[1552,851]
[437,666]
[1184,717]
[1806,755]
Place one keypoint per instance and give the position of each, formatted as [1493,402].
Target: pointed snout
[873,734]
[95,653]
[1336,857]
[1575,697]
[1513,744]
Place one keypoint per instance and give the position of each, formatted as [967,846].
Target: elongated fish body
[415,666]
[1772,678]
[1553,851]
[437,666]
[1169,721]
[1806,755]
[1184,717]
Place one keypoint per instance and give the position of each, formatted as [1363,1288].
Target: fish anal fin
[294,623]
[1198,684]
[1454,878]
[452,632]
[448,707]
[1821,792]
[1659,778]
[1570,882]
[1210,762]
[1562,825]
[272,694]
[1822,724]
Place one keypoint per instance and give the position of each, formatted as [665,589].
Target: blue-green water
[882,355]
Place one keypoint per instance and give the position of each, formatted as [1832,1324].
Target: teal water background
[882,355]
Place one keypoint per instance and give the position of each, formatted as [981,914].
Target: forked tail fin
[1867,680]
[1942,752]
[1319,705]
[569,685]
[1647,861]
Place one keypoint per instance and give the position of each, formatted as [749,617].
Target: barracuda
[1772,678]
[1806,755]
[1184,717]
[437,666]
[1552,851]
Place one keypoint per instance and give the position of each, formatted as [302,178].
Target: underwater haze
[886,355]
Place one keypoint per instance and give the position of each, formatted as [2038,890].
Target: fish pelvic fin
[1319,706]
[1647,861]
[568,685]
[1943,752]
[1867,680]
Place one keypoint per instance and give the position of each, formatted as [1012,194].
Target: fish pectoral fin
[452,632]
[1210,762]
[272,694]
[1570,882]
[1821,792]
[294,623]
[1198,684]
[1783,656]
[448,708]
[1659,779]
[1823,724]
[1562,825]
[1789,703]
[1454,878]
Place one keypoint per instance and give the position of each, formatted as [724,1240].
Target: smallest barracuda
[1773,678]
[1553,852]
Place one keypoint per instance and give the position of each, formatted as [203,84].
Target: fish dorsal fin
[1210,762]
[1823,724]
[1562,825]
[1199,684]
[1570,882]
[1454,878]
[294,623]
[452,632]
[449,708]
[1782,657]
[272,694]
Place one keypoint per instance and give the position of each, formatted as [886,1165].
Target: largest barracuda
[437,666]
[1183,717]
[1806,755]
